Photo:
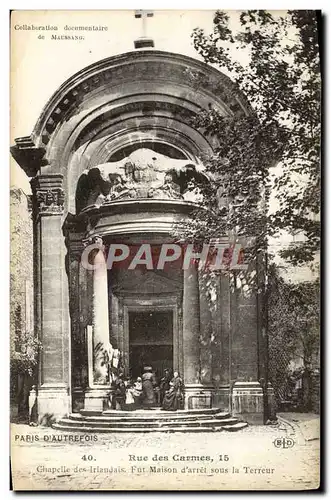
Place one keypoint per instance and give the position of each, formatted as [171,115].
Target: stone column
[222,356]
[100,313]
[270,404]
[206,337]
[51,298]
[84,320]
[75,247]
[247,392]
[206,332]
[74,320]
[96,397]
[191,337]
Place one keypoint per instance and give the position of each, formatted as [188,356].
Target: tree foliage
[23,344]
[293,329]
[274,60]
[294,315]
[24,360]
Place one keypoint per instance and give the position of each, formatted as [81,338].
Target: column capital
[96,239]
[48,194]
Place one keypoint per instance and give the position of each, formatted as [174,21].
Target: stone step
[152,424]
[146,429]
[163,413]
[157,420]
[155,412]
[170,416]
[235,427]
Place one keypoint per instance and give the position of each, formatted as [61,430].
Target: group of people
[146,393]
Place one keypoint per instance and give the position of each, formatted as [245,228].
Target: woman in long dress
[165,384]
[172,400]
[137,392]
[148,384]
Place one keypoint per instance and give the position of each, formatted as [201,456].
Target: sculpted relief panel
[143,174]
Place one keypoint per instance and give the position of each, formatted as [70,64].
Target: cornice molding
[195,74]
[28,155]
[163,68]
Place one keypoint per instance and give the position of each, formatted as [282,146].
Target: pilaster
[191,337]
[51,298]
[206,331]
[77,298]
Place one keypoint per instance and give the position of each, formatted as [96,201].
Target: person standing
[179,386]
[173,398]
[137,392]
[165,384]
[119,394]
[148,384]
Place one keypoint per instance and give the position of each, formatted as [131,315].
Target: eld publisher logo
[285,442]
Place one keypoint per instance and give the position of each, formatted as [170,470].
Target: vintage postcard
[165,197]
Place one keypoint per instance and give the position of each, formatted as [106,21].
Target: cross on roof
[143,41]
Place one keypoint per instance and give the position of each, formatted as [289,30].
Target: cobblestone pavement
[46,459]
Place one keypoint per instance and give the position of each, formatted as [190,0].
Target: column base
[222,398]
[78,398]
[97,399]
[53,403]
[248,402]
[197,396]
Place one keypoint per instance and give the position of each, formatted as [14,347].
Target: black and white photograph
[165,250]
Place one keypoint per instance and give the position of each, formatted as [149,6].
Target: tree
[24,346]
[274,60]
[293,333]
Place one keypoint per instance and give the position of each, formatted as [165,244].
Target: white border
[4,184]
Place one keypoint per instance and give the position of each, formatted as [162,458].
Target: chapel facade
[113,158]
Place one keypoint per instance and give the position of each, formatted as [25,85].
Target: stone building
[111,158]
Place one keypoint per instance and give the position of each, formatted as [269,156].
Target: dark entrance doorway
[151,341]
